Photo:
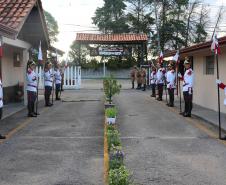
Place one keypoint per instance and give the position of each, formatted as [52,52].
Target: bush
[111,87]
[111,112]
[120,176]
[113,138]
[116,158]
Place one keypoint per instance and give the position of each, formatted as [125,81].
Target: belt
[31,85]
[185,84]
[48,81]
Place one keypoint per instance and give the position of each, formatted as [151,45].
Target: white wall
[205,89]
[12,75]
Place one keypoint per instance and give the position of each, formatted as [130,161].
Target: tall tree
[75,51]
[111,17]
[52,27]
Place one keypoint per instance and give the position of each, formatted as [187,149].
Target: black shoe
[152,95]
[2,137]
[159,99]
[58,99]
[49,105]
[36,113]
[32,115]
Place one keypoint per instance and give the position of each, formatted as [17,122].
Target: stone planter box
[108,105]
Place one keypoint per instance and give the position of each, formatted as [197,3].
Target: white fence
[72,77]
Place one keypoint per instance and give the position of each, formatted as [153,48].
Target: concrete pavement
[163,148]
[63,146]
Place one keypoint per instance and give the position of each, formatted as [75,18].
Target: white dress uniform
[171,79]
[188,81]
[58,76]
[160,76]
[48,77]
[31,81]
[153,77]
[1,95]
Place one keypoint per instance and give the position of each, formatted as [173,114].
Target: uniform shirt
[48,77]
[188,80]
[31,81]
[153,77]
[160,76]
[1,95]
[170,79]
[57,75]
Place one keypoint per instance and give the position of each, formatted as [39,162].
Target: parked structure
[22,27]
[204,66]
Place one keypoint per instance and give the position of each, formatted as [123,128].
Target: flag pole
[218,94]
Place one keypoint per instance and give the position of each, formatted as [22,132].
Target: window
[210,65]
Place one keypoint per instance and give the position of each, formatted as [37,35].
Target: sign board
[110,51]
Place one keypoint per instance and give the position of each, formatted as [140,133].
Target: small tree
[111,88]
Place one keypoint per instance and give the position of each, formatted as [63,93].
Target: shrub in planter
[111,88]
[116,158]
[111,127]
[120,176]
[113,138]
[111,115]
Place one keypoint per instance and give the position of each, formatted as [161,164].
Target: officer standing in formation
[160,80]
[138,78]
[1,106]
[143,79]
[48,82]
[133,75]
[153,79]
[31,88]
[58,80]
[187,88]
[171,84]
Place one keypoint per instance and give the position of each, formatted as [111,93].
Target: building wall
[11,75]
[205,89]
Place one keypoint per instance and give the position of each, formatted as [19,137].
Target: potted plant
[111,88]
[111,114]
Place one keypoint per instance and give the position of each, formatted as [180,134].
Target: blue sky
[75,15]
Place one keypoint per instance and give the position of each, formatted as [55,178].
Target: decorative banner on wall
[110,51]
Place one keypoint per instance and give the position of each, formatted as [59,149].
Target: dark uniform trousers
[160,90]
[31,97]
[48,91]
[1,111]
[188,102]
[153,86]
[58,89]
[171,96]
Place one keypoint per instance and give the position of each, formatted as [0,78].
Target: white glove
[218,81]
[179,75]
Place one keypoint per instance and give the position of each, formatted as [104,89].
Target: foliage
[52,27]
[111,112]
[74,52]
[116,158]
[111,17]
[111,87]
[120,176]
[113,138]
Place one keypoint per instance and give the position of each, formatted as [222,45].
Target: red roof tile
[105,38]
[13,12]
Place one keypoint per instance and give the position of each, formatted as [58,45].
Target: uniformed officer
[58,79]
[133,75]
[1,105]
[187,88]
[48,78]
[143,79]
[160,80]
[170,81]
[138,78]
[31,88]
[153,79]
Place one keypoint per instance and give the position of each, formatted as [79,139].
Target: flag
[176,57]
[40,53]
[66,63]
[161,58]
[215,45]
[1,49]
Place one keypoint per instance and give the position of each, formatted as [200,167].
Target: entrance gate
[72,77]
